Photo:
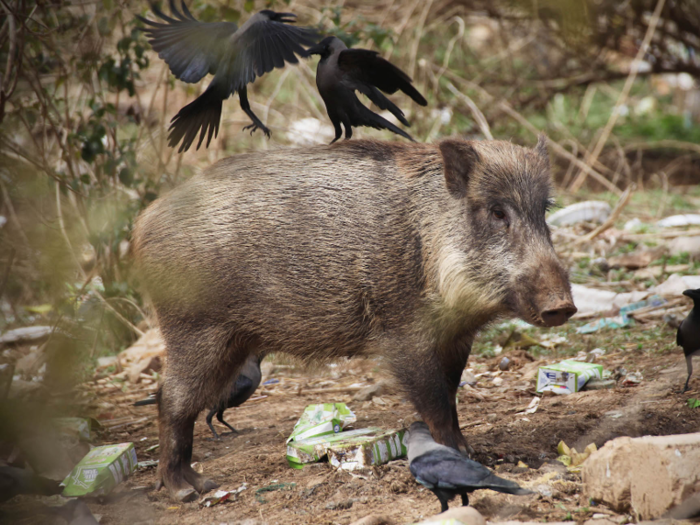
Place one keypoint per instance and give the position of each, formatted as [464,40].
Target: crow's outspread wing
[448,469]
[192,49]
[263,44]
[367,67]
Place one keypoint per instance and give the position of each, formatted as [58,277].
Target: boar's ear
[458,160]
[541,147]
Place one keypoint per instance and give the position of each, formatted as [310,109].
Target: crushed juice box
[314,449]
[102,469]
[367,450]
[567,377]
[322,419]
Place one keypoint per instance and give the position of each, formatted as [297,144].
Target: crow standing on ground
[242,387]
[688,335]
[343,71]
[446,473]
[235,56]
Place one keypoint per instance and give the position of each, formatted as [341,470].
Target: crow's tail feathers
[498,484]
[366,117]
[204,114]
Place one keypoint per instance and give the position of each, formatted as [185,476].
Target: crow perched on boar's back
[343,71]
[447,473]
[235,56]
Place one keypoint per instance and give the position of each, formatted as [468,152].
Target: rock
[371,391]
[466,515]
[587,211]
[504,364]
[469,378]
[646,475]
[339,505]
[373,520]
[685,244]
[24,335]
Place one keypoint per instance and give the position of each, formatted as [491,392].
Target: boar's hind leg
[200,367]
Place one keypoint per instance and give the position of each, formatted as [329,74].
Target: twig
[621,203]
[476,112]
[578,182]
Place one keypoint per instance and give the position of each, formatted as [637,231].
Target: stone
[373,520]
[371,391]
[645,476]
[685,244]
[25,335]
[466,515]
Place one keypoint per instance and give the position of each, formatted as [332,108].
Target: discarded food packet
[221,496]
[566,377]
[318,420]
[364,451]
[314,449]
[73,426]
[102,469]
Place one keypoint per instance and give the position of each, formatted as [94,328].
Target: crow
[235,56]
[14,481]
[242,387]
[343,71]
[446,473]
[688,335]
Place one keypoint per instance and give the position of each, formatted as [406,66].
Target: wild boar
[359,248]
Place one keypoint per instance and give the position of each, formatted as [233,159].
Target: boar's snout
[547,294]
[559,314]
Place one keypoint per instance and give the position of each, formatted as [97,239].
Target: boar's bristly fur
[363,247]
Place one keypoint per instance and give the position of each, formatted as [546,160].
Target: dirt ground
[492,419]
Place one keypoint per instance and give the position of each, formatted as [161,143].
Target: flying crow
[235,56]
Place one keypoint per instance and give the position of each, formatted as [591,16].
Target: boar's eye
[499,214]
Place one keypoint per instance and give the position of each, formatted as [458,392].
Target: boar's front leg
[430,379]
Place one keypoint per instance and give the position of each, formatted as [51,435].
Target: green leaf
[693,403]
[39,309]
[249,5]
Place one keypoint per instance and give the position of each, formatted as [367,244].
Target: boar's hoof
[199,482]
[185,495]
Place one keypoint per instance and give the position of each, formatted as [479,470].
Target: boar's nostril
[558,316]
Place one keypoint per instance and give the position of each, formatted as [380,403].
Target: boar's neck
[461,294]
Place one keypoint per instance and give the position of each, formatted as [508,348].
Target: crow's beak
[287,18]
[315,50]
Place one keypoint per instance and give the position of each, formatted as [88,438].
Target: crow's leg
[348,127]
[689,364]
[465,499]
[220,417]
[245,105]
[443,498]
[338,130]
[210,415]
